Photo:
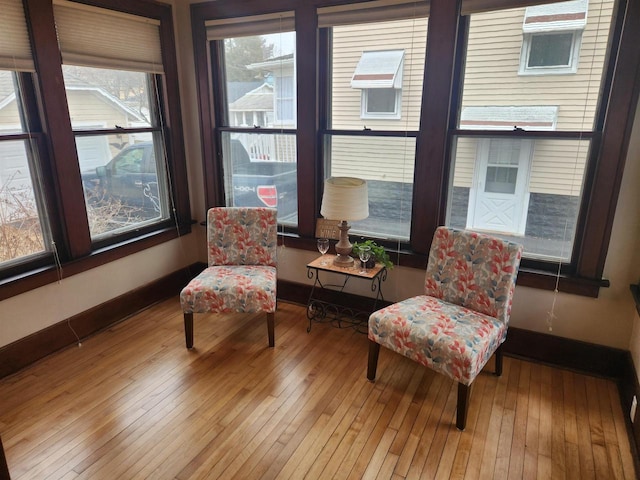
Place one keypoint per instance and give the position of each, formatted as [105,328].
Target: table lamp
[344,199]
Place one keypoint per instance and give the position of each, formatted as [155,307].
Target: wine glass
[364,253]
[323,247]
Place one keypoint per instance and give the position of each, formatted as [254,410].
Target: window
[123,173]
[481,131]
[24,228]
[75,205]
[257,129]
[113,105]
[525,185]
[379,76]
[552,35]
[382,150]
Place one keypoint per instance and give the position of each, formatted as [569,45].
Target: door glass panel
[501,180]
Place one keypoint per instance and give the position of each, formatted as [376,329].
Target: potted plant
[378,253]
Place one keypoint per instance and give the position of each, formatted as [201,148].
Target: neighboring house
[272,104]
[95,109]
[545,77]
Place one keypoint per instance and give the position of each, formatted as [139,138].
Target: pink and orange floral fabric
[242,253]
[463,317]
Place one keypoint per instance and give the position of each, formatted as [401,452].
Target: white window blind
[375,11]
[99,37]
[249,26]
[15,47]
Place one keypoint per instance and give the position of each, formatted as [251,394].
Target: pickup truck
[129,178]
[263,183]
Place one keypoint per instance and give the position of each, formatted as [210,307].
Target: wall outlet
[634,405]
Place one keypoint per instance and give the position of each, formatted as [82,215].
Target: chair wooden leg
[499,360]
[374,351]
[188,329]
[464,393]
[271,327]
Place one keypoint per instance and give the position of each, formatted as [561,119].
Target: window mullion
[431,168]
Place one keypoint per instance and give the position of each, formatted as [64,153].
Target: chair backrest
[473,270]
[242,236]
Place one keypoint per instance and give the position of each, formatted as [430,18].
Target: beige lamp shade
[345,198]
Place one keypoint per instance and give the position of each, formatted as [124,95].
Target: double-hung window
[24,227]
[374,99]
[111,62]
[521,152]
[254,79]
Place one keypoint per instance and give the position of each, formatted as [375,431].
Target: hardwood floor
[132,403]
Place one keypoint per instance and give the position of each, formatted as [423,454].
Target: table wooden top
[353,270]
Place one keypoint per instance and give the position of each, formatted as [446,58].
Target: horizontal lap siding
[387,159]
[493,58]
[349,43]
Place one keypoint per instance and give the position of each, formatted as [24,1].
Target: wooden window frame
[46,101]
[442,75]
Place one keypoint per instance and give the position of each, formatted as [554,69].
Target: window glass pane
[533,198]
[550,50]
[260,80]
[99,98]
[385,59]
[387,166]
[122,177]
[22,227]
[381,100]
[10,114]
[497,45]
[260,170]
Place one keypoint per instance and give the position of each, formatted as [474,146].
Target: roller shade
[556,16]
[249,26]
[99,37]
[15,47]
[375,11]
[379,69]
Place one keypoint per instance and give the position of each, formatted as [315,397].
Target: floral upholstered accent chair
[461,319]
[241,276]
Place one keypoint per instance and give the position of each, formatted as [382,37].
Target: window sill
[39,277]
[542,280]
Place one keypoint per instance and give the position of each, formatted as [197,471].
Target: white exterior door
[499,197]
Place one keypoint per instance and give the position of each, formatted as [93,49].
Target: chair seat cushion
[450,339]
[231,288]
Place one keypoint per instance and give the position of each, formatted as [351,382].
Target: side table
[341,315]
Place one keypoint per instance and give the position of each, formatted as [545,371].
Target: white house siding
[495,45]
[388,159]
[376,159]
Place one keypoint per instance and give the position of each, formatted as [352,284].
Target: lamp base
[343,247]
[343,260]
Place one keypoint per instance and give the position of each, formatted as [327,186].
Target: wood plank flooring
[133,403]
